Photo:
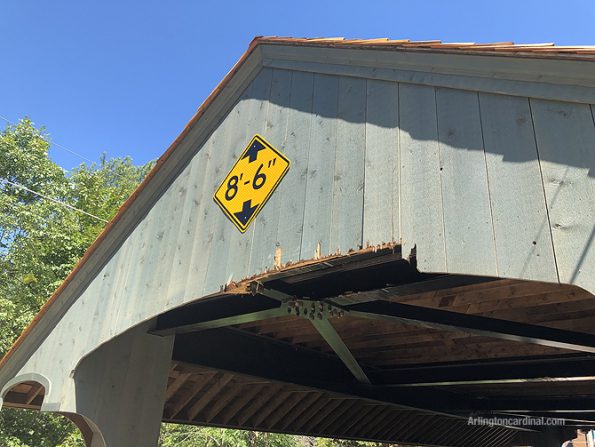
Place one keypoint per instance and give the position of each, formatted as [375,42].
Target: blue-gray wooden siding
[478,183]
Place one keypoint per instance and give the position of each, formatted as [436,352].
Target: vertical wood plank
[292,189]
[210,264]
[381,189]
[195,199]
[422,219]
[565,136]
[120,270]
[220,233]
[521,227]
[207,217]
[254,110]
[168,243]
[348,187]
[468,225]
[267,222]
[230,249]
[128,273]
[321,167]
[155,273]
[87,308]
[138,285]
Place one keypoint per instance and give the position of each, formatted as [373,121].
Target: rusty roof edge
[505,49]
[433,46]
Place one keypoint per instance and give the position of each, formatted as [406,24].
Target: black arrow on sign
[253,151]
[246,213]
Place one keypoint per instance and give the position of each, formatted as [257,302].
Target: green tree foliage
[27,428]
[173,435]
[327,442]
[40,242]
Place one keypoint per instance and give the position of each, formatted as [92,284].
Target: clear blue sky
[123,77]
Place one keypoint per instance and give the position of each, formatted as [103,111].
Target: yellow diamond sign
[251,181]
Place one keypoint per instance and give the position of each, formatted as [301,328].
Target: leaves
[173,435]
[26,428]
[40,242]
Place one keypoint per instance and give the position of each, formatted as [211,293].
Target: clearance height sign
[250,182]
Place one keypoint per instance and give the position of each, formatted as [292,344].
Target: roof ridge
[541,49]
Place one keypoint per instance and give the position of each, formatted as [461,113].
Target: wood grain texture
[219,234]
[469,232]
[348,187]
[565,136]
[190,219]
[207,219]
[421,208]
[149,263]
[252,114]
[173,212]
[521,227]
[275,132]
[316,235]
[382,177]
[250,109]
[292,190]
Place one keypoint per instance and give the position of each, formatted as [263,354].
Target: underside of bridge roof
[366,347]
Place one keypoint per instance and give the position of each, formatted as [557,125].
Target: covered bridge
[405,241]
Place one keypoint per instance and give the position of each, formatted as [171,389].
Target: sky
[124,77]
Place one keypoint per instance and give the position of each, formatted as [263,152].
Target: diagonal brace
[226,311]
[318,316]
[328,332]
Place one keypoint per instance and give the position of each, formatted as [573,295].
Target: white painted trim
[28,377]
